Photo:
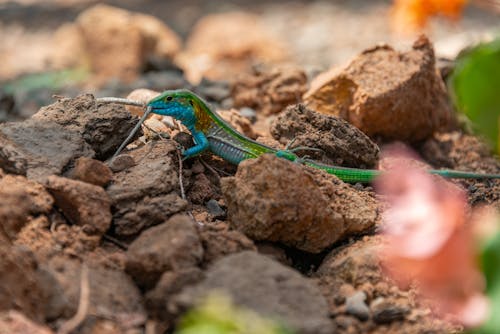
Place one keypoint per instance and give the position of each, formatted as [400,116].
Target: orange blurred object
[431,241]
[412,15]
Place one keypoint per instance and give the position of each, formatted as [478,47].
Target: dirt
[287,241]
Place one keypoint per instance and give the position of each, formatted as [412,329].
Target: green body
[211,132]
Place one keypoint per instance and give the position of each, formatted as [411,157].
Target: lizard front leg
[201,144]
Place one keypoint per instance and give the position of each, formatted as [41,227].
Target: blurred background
[87,45]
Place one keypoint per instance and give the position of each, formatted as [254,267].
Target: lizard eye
[191,103]
[169,98]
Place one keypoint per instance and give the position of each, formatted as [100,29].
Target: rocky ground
[94,245]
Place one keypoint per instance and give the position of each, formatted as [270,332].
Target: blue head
[178,104]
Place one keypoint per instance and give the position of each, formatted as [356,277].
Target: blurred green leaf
[217,315]
[52,80]
[475,85]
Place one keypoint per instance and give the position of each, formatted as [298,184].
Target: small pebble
[356,306]
[249,113]
[121,162]
[385,311]
[214,209]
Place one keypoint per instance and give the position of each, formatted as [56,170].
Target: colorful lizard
[211,132]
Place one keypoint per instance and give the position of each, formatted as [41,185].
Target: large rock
[116,42]
[21,199]
[91,171]
[82,203]
[145,194]
[341,143]
[386,93]
[269,90]
[102,126]
[15,322]
[267,287]
[171,246]
[277,200]
[206,56]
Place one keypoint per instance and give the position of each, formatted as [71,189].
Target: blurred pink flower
[428,240]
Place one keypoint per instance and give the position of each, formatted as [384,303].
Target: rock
[91,171]
[121,162]
[20,288]
[201,189]
[267,287]
[219,241]
[38,149]
[21,200]
[276,200]
[215,210]
[102,126]
[204,49]
[385,311]
[113,295]
[15,322]
[169,285]
[341,143]
[238,122]
[400,97]
[145,194]
[118,42]
[356,306]
[171,246]
[269,91]
[82,203]
[141,95]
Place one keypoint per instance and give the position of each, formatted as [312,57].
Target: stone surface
[400,97]
[91,171]
[102,126]
[269,91]
[266,287]
[276,200]
[238,122]
[82,203]
[146,193]
[14,322]
[341,143]
[118,43]
[219,240]
[21,199]
[355,305]
[171,246]
[235,55]
[385,311]
[113,294]
[39,148]
[20,288]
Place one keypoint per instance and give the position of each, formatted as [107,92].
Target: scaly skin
[211,132]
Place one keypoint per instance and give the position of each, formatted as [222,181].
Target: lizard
[211,133]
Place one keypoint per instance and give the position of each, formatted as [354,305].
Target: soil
[149,235]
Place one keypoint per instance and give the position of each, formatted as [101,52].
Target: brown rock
[171,246]
[385,311]
[238,122]
[20,288]
[341,144]
[118,42]
[141,95]
[102,126]
[206,56]
[83,204]
[146,193]
[14,322]
[276,200]
[113,294]
[269,90]
[20,200]
[39,148]
[219,241]
[385,93]
[91,171]
[267,287]
[159,300]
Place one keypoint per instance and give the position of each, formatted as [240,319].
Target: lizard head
[175,103]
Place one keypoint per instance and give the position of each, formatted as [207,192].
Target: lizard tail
[454,174]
